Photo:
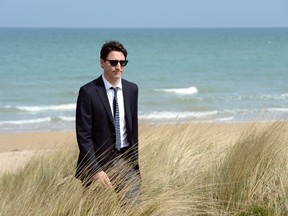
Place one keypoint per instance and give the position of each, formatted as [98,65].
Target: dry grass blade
[186,169]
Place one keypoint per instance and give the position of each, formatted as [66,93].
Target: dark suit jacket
[95,127]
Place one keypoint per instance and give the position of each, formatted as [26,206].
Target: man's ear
[101,62]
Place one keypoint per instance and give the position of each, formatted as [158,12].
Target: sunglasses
[114,63]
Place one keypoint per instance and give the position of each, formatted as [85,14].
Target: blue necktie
[116,120]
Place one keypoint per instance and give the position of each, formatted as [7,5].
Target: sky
[144,13]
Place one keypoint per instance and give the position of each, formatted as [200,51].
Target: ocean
[199,75]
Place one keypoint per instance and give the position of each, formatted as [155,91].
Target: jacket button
[112,150]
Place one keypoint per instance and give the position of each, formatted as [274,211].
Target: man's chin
[118,75]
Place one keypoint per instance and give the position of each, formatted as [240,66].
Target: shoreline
[16,149]
[35,140]
[154,118]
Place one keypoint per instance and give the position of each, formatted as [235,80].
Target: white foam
[225,119]
[278,109]
[63,118]
[26,121]
[284,96]
[61,107]
[259,97]
[67,118]
[37,120]
[177,115]
[186,91]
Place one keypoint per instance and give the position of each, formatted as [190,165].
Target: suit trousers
[125,179]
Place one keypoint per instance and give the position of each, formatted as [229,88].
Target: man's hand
[103,178]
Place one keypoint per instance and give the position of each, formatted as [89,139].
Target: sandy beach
[16,149]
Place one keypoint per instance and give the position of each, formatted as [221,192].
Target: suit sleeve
[87,162]
[135,118]
[135,157]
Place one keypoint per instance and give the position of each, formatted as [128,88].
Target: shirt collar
[108,85]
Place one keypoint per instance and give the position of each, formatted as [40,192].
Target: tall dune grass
[186,169]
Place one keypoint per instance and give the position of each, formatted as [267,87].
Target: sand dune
[16,149]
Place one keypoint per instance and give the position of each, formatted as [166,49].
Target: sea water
[199,75]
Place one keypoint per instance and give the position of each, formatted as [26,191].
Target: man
[104,106]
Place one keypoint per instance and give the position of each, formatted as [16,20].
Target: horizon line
[206,27]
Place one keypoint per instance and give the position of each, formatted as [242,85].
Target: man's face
[113,73]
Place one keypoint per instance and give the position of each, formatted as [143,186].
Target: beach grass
[186,169]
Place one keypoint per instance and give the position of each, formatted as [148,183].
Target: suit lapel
[100,88]
[127,103]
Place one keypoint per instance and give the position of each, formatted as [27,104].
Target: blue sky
[144,13]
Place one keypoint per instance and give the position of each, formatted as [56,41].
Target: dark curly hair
[110,46]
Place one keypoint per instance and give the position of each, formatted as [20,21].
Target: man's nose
[118,65]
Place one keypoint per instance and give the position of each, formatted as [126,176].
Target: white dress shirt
[110,94]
